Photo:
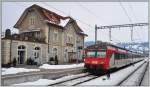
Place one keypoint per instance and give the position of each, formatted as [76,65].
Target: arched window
[37,48]
[21,47]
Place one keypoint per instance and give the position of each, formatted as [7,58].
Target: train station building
[42,36]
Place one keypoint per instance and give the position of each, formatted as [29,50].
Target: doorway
[21,54]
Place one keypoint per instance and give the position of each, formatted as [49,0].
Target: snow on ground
[3,69]
[47,66]
[48,82]
[135,78]
[145,81]
[38,82]
[115,78]
[13,70]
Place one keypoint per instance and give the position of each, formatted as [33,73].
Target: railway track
[75,81]
[138,75]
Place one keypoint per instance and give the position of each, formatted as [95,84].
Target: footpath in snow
[115,78]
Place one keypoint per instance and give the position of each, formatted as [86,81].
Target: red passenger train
[105,56]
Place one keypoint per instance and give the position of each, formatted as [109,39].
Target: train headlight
[102,63]
[94,62]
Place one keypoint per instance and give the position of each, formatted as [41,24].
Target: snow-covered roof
[64,22]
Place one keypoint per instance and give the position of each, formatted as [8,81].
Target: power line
[130,6]
[130,20]
[139,35]
[88,10]
[136,18]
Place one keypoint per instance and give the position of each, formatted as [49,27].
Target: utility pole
[131,42]
[110,34]
[95,34]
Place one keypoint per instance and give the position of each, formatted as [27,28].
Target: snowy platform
[44,67]
[47,66]
[43,72]
[12,70]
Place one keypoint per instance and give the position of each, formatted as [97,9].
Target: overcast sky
[87,14]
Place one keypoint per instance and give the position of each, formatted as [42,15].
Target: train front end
[96,60]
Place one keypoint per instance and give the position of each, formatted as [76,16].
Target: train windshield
[96,54]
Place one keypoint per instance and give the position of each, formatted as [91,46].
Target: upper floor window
[69,39]
[55,36]
[32,20]
[37,34]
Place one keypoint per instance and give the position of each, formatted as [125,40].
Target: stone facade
[59,35]
[29,51]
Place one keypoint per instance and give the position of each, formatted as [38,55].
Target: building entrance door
[71,56]
[21,55]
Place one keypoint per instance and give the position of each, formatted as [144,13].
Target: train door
[112,61]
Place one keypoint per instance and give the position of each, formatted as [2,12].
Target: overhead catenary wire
[89,11]
[130,20]
[126,13]
[135,17]
[132,11]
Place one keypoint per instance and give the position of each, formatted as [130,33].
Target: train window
[91,54]
[117,56]
[101,54]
